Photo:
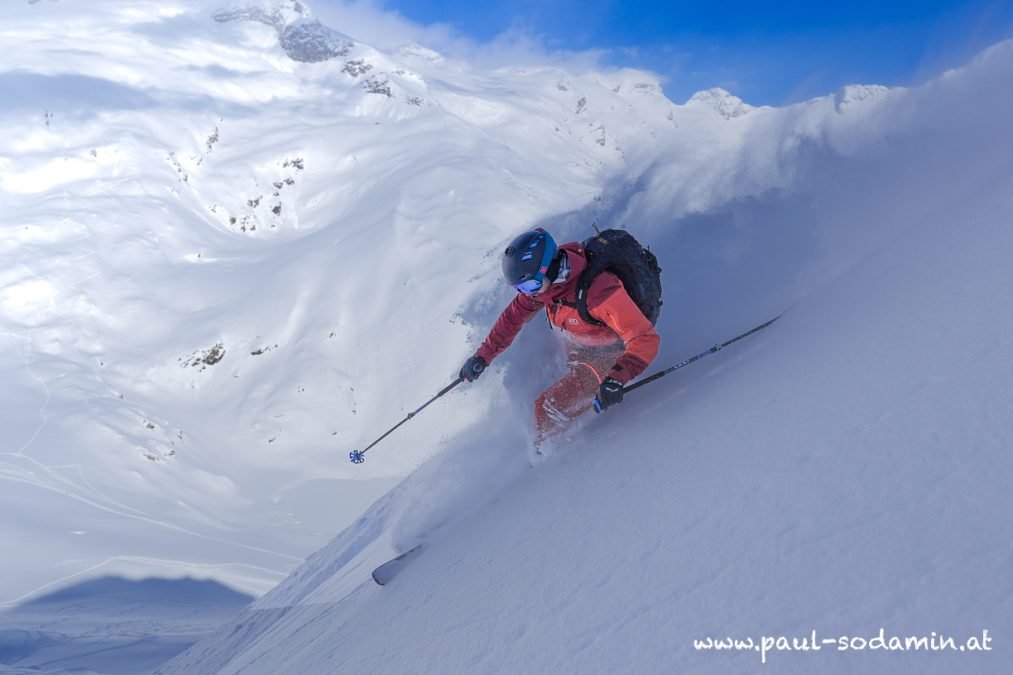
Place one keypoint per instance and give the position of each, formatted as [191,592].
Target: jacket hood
[575,257]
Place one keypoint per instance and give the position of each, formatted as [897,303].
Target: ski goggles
[532,285]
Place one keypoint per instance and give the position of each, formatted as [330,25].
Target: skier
[602,356]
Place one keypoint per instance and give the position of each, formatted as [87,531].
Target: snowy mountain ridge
[727,105]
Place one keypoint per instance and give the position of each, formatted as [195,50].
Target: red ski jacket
[607,301]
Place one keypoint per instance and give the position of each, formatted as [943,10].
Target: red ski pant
[573,394]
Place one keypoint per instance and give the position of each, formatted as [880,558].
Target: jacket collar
[574,252]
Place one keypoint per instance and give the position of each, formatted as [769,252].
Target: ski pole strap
[715,348]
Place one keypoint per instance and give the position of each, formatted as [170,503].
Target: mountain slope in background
[113,625]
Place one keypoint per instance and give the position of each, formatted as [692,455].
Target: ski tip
[390,569]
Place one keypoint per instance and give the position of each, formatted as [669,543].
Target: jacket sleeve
[618,311]
[521,310]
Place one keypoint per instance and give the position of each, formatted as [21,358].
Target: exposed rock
[374,85]
[312,42]
[357,67]
[303,39]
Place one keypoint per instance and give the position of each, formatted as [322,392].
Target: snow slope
[844,471]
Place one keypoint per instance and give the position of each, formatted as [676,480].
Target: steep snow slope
[846,470]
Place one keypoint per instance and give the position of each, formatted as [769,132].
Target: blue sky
[765,52]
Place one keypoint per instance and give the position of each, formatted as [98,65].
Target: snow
[222,269]
[723,102]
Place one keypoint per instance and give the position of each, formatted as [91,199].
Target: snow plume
[726,105]
[517,46]
[374,24]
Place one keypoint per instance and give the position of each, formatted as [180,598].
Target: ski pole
[358,457]
[712,350]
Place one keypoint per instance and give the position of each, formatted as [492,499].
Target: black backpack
[618,252]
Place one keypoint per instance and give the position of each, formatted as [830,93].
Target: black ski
[392,568]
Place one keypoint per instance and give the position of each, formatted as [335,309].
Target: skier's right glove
[473,368]
[609,393]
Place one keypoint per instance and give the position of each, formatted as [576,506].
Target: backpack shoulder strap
[583,284]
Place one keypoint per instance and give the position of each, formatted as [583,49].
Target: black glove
[609,393]
[473,368]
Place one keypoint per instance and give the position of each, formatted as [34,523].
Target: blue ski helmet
[526,260]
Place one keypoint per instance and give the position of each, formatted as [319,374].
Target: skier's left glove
[609,393]
[473,368]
